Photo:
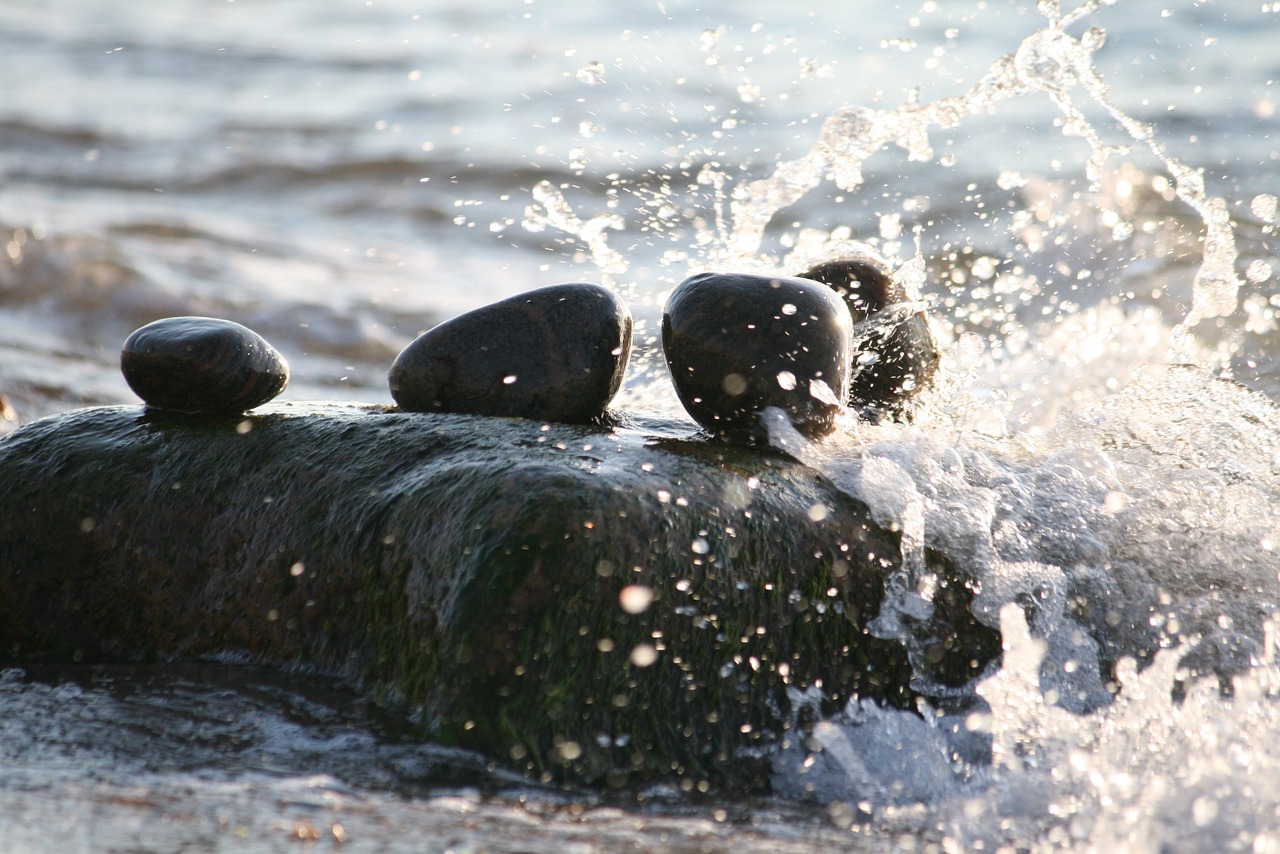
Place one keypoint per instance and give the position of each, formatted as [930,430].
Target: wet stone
[894,352]
[553,354]
[738,343]
[202,365]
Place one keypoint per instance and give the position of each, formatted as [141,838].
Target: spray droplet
[592,73]
[635,598]
[1259,271]
[1203,811]
[819,390]
[643,655]
[1264,206]
[734,384]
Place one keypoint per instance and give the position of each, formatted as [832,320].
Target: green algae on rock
[607,605]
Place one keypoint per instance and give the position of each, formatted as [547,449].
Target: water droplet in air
[643,655]
[1093,39]
[569,750]
[709,38]
[734,384]
[787,380]
[891,226]
[635,598]
[819,390]
[700,546]
[1259,271]
[1204,810]
[1010,180]
[592,73]
[1264,206]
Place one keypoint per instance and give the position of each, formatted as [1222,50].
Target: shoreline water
[342,182]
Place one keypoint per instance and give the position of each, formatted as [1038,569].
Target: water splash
[550,209]
[1142,774]
[896,477]
[1050,62]
[1113,516]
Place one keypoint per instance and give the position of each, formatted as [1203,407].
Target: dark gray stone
[895,355]
[202,365]
[738,343]
[608,604]
[553,354]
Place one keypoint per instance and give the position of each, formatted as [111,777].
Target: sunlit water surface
[1085,198]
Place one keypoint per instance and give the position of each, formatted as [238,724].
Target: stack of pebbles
[841,334]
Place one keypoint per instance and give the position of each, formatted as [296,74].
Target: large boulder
[606,604]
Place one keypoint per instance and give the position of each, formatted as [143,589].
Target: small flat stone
[738,343]
[202,365]
[553,354]
[895,355]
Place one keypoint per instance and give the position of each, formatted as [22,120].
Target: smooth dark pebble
[553,354]
[738,343]
[895,355]
[202,365]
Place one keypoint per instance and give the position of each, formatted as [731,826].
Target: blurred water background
[340,176]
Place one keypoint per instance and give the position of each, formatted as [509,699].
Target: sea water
[1084,197]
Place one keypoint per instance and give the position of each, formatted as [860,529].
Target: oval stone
[552,354]
[738,343]
[202,365]
[895,355]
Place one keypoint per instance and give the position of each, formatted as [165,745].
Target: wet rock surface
[604,605]
[738,343]
[894,355]
[202,365]
[553,354]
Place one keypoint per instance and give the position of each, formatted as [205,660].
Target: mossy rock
[468,571]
